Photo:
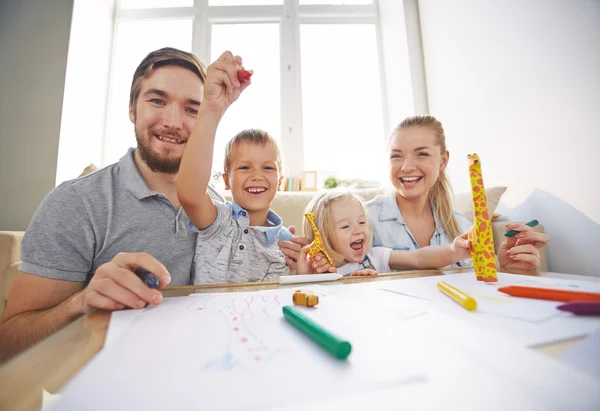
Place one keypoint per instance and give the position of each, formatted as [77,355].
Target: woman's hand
[521,252]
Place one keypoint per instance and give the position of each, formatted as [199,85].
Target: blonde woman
[419,213]
[341,218]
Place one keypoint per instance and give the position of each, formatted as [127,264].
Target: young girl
[341,218]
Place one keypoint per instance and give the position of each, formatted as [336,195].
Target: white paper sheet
[473,370]
[489,299]
[530,322]
[585,355]
[234,351]
[120,321]
[187,354]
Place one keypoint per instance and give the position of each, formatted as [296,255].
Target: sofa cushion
[463,202]
[290,205]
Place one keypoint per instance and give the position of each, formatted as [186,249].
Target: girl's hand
[364,273]
[222,86]
[521,252]
[321,265]
[462,247]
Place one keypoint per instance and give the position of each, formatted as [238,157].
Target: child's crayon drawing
[245,347]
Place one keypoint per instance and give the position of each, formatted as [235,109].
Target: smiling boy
[237,241]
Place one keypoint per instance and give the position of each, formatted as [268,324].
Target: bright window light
[151,4]
[335,2]
[244,2]
[135,40]
[341,101]
[260,104]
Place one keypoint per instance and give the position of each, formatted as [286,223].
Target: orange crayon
[548,293]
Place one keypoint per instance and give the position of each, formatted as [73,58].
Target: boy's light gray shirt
[232,251]
[84,223]
[390,229]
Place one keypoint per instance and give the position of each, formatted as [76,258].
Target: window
[332,2]
[258,44]
[135,39]
[341,101]
[149,4]
[244,2]
[317,86]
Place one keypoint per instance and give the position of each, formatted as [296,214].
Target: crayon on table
[581,308]
[549,293]
[147,277]
[458,296]
[334,345]
[511,233]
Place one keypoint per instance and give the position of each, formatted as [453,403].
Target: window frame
[290,15]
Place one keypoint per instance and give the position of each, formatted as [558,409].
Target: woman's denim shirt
[390,229]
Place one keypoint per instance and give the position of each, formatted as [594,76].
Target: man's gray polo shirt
[230,250]
[84,223]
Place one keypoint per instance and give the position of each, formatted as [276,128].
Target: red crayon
[549,293]
[244,75]
[581,308]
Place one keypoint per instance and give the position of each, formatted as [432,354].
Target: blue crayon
[511,233]
[147,277]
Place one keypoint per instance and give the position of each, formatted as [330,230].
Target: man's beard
[156,163]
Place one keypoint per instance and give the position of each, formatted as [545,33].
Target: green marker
[339,348]
[511,233]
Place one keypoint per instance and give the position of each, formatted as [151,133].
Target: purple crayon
[581,308]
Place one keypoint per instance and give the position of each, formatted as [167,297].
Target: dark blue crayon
[511,233]
[147,277]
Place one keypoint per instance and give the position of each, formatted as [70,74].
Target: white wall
[518,82]
[405,92]
[34,36]
[86,88]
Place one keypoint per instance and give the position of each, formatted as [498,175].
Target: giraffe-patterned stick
[480,234]
[317,244]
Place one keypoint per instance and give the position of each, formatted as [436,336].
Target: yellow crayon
[461,298]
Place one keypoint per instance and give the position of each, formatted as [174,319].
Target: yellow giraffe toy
[480,234]
[317,244]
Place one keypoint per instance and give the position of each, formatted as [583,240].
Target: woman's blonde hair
[441,193]
[320,206]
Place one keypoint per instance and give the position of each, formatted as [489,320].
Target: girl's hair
[254,136]
[320,206]
[441,193]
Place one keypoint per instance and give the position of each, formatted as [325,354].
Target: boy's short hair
[320,206]
[166,56]
[252,135]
